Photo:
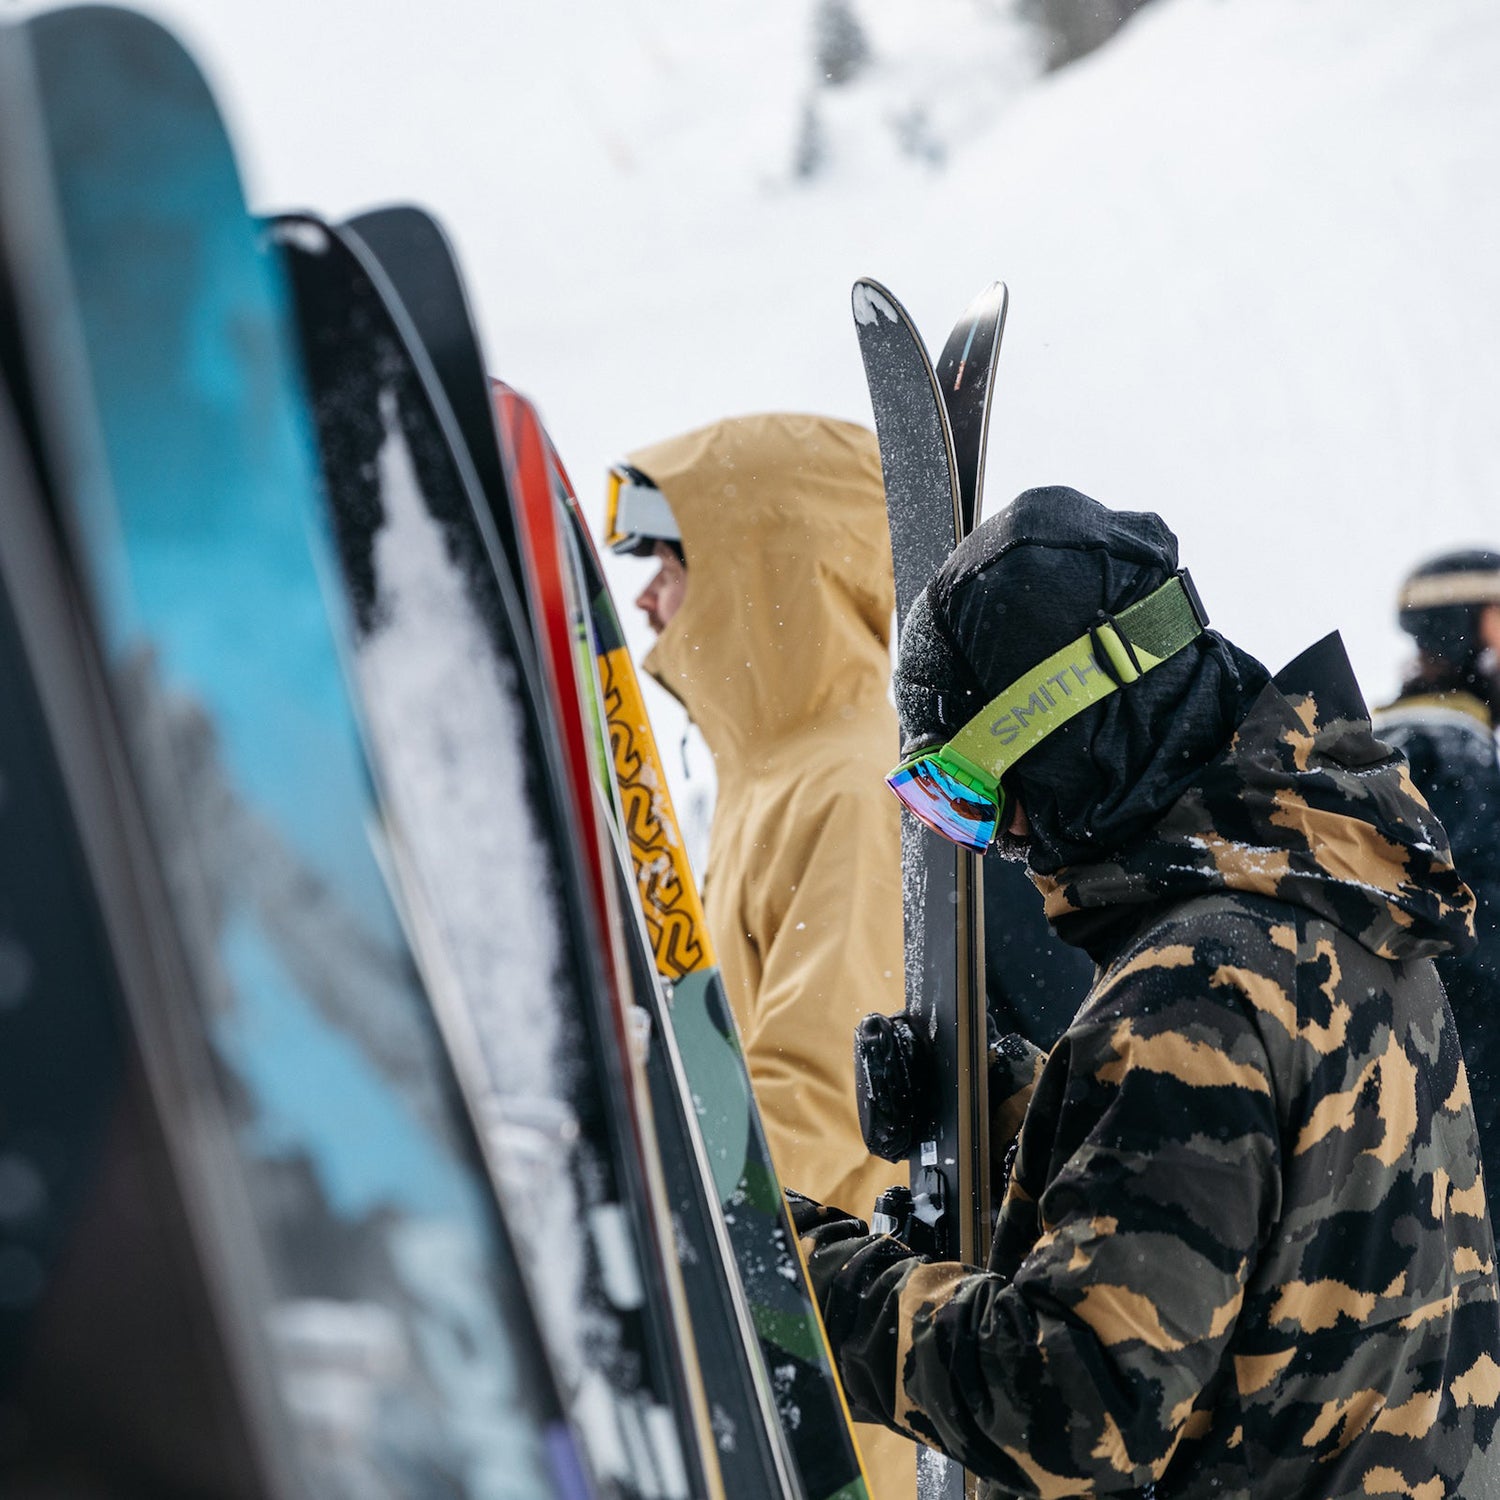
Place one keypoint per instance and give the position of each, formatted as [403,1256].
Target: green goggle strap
[1067,682]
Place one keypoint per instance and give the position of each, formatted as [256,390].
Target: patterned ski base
[766,1251]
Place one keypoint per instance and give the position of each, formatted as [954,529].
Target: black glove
[893,1085]
[806,1214]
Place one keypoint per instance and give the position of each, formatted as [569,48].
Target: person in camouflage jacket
[1243,1247]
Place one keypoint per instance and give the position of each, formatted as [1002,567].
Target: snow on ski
[484,850]
[420,264]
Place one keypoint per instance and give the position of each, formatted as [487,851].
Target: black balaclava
[1021,586]
[1447,635]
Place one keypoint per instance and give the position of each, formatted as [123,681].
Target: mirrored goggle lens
[946,805]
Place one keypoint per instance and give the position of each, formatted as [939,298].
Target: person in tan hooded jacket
[779,650]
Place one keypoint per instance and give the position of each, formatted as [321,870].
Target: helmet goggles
[636,514]
[955,788]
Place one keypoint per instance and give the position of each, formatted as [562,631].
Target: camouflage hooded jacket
[1243,1249]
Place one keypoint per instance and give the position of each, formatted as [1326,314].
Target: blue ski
[373,1259]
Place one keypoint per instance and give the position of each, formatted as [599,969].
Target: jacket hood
[785,626]
[1304,805]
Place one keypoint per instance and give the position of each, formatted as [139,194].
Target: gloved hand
[893,1085]
[1015,1066]
[808,1215]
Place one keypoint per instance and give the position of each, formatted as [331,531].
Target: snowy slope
[1251,244]
[1252,247]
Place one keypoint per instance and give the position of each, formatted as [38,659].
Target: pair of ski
[776,1407]
[932,424]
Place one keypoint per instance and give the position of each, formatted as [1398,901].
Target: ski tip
[408,219]
[871,302]
[112,25]
[301,231]
[996,294]
[401,209]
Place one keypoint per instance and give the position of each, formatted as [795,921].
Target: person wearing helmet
[1444,723]
[1243,1248]
[772,601]
[639,523]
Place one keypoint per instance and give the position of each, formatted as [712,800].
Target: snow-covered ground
[1252,245]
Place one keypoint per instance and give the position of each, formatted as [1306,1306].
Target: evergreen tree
[840,46]
[1074,28]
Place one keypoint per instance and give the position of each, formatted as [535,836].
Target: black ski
[485,851]
[965,374]
[420,264]
[926,507]
[1032,979]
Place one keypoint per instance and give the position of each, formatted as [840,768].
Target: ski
[1032,980]
[750,1390]
[753,1445]
[466,755]
[965,374]
[416,256]
[347,1193]
[941,894]
[810,1397]
[128,1231]
[420,264]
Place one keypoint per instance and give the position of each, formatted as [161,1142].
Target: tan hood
[786,621]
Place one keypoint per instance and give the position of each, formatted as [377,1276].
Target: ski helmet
[637,515]
[1440,603]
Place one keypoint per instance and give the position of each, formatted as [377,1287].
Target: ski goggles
[636,513]
[955,788]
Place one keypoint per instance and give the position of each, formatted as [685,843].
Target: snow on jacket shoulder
[1245,1248]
